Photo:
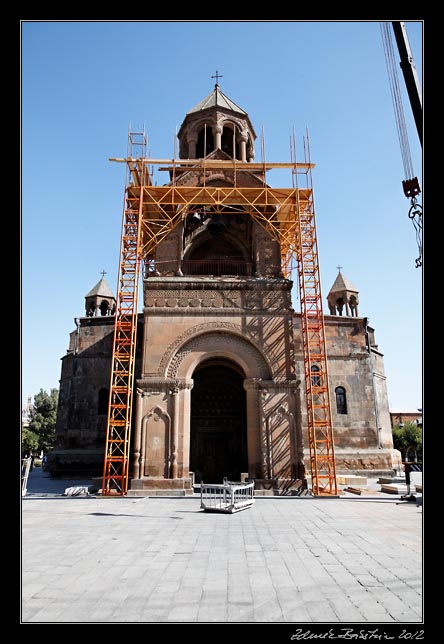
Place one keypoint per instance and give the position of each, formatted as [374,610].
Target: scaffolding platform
[227,497]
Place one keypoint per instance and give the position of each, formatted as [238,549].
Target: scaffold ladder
[317,394]
[116,463]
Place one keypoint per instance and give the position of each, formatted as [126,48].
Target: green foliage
[408,439]
[43,418]
[414,438]
[30,441]
[399,440]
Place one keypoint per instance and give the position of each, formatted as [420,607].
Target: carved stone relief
[218,299]
[202,337]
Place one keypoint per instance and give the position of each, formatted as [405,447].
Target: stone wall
[180,313]
[178,308]
[81,416]
[247,321]
[362,436]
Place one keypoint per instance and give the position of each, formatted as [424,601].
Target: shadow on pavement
[41,484]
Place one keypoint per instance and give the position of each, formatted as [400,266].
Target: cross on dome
[217,76]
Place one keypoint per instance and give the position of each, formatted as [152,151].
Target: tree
[30,441]
[399,441]
[413,435]
[43,418]
[408,440]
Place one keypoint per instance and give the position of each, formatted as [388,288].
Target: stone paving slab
[145,560]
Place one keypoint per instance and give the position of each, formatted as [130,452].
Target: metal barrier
[228,497]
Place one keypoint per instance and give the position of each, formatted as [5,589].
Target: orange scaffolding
[116,463]
[317,393]
[287,214]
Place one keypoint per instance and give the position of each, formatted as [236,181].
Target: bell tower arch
[217,123]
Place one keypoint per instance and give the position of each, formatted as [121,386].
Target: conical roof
[217,99]
[101,289]
[342,284]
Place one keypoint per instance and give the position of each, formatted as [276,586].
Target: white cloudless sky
[84,84]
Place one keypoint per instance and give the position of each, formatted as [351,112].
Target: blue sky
[84,84]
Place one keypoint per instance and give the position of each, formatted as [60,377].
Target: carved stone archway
[216,341]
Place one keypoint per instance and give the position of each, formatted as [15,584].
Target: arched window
[217,256]
[340,305]
[353,306]
[315,380]
[103,402]
[205,142]
[229,143]
[104,307]
[341,400]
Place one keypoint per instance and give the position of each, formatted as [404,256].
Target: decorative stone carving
[155,386]
[155,457]
[219,341]
[258,299]
[278,437]
[199,336]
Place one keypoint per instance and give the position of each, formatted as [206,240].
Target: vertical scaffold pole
[116,463]
[320,429]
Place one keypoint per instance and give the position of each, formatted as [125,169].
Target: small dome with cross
[100,299]
[343,294]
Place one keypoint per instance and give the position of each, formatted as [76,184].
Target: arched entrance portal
[218,445]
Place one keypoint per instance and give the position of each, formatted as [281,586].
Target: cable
[410,185]
[397,100]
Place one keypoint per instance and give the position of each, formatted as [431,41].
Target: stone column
[217,133]
[137,434]
[255,424]
[242,138]
[174,391]
[297,428]
[251,154]
[267,457]
[192,140]
[185,422]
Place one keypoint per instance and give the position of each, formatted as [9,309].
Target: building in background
[400,418]
[26,412]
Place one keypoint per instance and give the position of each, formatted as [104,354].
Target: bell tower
[100,299]
[217,241]
[343,295]
[217,123]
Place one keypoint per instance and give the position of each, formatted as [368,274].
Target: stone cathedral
[219,362]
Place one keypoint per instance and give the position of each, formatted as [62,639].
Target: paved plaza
[285,560]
